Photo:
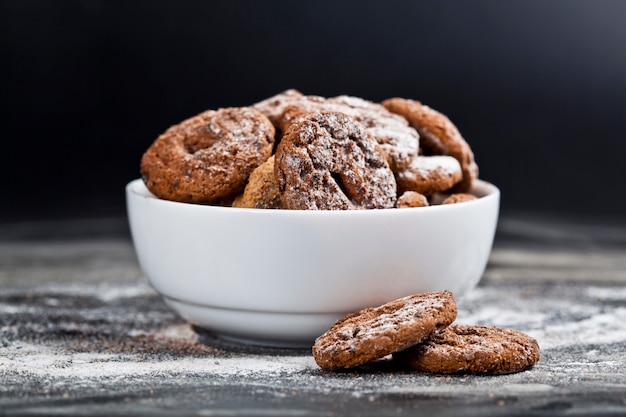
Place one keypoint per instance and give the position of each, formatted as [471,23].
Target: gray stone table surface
[82,333]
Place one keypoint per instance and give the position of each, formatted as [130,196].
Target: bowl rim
[484,190]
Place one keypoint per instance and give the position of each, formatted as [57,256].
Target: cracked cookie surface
[327,161]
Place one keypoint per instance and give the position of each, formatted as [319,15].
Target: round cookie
[374,333]
[397,139]
[459,198]
[472,349]
[410,199]
[429,174]
[262,188]
[208,156]
[327,161]
[438,135]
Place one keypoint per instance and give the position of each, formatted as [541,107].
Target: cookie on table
[472,349]
[374,333]
[438,136]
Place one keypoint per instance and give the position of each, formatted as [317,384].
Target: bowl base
[261,328]
[264,342]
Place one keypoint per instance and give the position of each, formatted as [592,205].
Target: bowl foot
[261,328]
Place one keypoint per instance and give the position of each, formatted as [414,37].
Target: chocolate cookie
[459,198]
[208,156]
[397,139]
[410,199]
[472,349]
[273,107]
[262,188]
[374,333]
[429,174]
[327,161]
[438,136]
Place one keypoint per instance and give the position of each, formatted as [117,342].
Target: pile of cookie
[418,332]
[304,152]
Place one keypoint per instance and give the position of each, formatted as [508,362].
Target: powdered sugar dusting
[406,315]
[208,156]
[397,139]
[373,333]
[597,329]
[405,310]
[430,174]
[41,361]
[446,165]
[327,161]
[599,316]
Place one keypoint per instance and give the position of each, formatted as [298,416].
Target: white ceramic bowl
[283,277]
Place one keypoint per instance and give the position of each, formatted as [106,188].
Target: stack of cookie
[294,151]
[418,332]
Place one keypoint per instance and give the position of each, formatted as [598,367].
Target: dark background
[538,88]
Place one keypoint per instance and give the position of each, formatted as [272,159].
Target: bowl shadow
[216,341]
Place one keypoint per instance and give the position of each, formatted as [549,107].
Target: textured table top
[81,332]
